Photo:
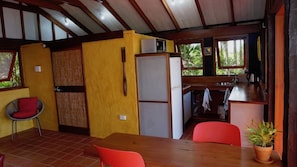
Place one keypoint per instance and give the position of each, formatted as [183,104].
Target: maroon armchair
[24,109]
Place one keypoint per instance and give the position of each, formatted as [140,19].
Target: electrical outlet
[123,117]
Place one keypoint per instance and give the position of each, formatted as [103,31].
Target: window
[9,69]
[231,56]
[192,59]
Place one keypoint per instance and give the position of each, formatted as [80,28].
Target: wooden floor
[55,149]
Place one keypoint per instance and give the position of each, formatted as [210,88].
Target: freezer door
[175,73]
[152,78]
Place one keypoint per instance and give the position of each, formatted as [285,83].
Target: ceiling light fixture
[66,21]
[172,2]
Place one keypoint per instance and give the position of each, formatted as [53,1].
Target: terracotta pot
[263,153]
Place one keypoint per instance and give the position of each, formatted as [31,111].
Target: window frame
[11,64]
[16,55]
[245,45]
[186,42]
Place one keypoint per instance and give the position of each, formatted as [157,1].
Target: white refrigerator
[160,94]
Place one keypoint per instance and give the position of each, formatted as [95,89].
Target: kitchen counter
[241,92]
[246,104]
[247,93]
[211,86]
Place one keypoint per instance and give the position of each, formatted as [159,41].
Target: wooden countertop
[241,92]
[247,93]
[211,86]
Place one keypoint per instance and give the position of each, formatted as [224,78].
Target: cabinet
[187,102]
[246,104]
[159,94]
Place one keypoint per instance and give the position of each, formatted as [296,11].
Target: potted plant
[262,137]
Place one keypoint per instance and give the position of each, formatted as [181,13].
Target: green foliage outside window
[15,79]
[230,58]
[192,59]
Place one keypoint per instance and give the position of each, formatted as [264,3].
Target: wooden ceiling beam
[80,5]
[38,26]
[75,21]
[200,13]
[53,20]
[169,12]
[18,7]
[88,12]
[35,9]
[2,20]
[68,15]
[67,43]
[55,5]
[94,18]
[115,14]
[142,15]
[210,32]
[22,23]
[44,4]
[14,44]
[232,12]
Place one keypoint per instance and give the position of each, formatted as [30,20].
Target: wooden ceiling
[50,20]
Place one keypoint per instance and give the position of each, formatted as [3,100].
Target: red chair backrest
[217,132]
[119,158]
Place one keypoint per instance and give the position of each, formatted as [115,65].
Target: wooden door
[70,91]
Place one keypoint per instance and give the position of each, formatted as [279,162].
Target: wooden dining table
[167,152]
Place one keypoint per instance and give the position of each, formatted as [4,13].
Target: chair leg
[13,129]
[38,125]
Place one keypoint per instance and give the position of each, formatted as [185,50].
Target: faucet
[235,79]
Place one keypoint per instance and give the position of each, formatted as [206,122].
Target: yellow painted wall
[104,80]
[6,97]
[40,83]
[103,75]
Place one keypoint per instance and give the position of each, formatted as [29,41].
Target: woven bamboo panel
[72,110]
[67,68]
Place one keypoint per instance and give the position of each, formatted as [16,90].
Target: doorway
[70,91]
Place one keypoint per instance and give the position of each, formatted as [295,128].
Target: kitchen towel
[206,100]
[226,97]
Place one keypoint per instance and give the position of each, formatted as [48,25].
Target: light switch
[37,68]
[123,117]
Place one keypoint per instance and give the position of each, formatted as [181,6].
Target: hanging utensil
[123,51]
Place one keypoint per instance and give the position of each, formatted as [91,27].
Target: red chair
[22,109]
[217,132]
[119,158]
